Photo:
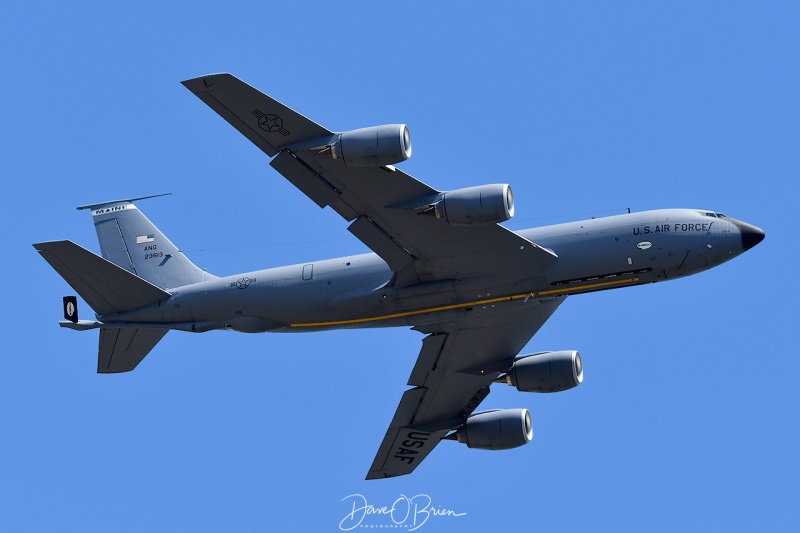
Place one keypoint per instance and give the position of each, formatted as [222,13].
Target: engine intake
[546,372]
[373,147]
[499,429]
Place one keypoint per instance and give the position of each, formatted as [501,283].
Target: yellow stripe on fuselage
[553,292]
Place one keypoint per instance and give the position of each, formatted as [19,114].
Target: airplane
[441,264]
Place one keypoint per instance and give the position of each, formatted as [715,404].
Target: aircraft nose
[751,235]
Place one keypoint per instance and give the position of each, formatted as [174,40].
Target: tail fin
[128,239]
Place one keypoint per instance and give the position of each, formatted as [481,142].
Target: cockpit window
[720,215]
[711,215]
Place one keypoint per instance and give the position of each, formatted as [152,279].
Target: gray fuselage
[356,291]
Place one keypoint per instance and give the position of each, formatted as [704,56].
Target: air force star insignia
[270,123]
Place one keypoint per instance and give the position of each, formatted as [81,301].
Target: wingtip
[379,474]
[204,83]
[46,245]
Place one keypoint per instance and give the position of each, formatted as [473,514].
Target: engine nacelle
[475,206]
[373,147]
[497,430]
[546,372]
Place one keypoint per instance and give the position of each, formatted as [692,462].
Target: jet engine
[475,206]
[373,147]
[546,372]
[498,429]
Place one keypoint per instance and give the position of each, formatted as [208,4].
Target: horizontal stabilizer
[121,349]
[125,201]
[106,287]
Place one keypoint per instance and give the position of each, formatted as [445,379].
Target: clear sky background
[687,417]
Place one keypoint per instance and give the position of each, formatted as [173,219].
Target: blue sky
[686,419]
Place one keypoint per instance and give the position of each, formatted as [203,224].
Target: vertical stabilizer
[129,240]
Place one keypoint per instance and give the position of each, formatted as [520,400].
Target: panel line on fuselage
[524,296]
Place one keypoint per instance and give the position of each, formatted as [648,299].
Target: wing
[417,248]
[451,377]
[459,359]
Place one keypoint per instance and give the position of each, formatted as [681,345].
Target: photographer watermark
[409,513]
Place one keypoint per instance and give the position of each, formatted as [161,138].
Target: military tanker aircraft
[442,265]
